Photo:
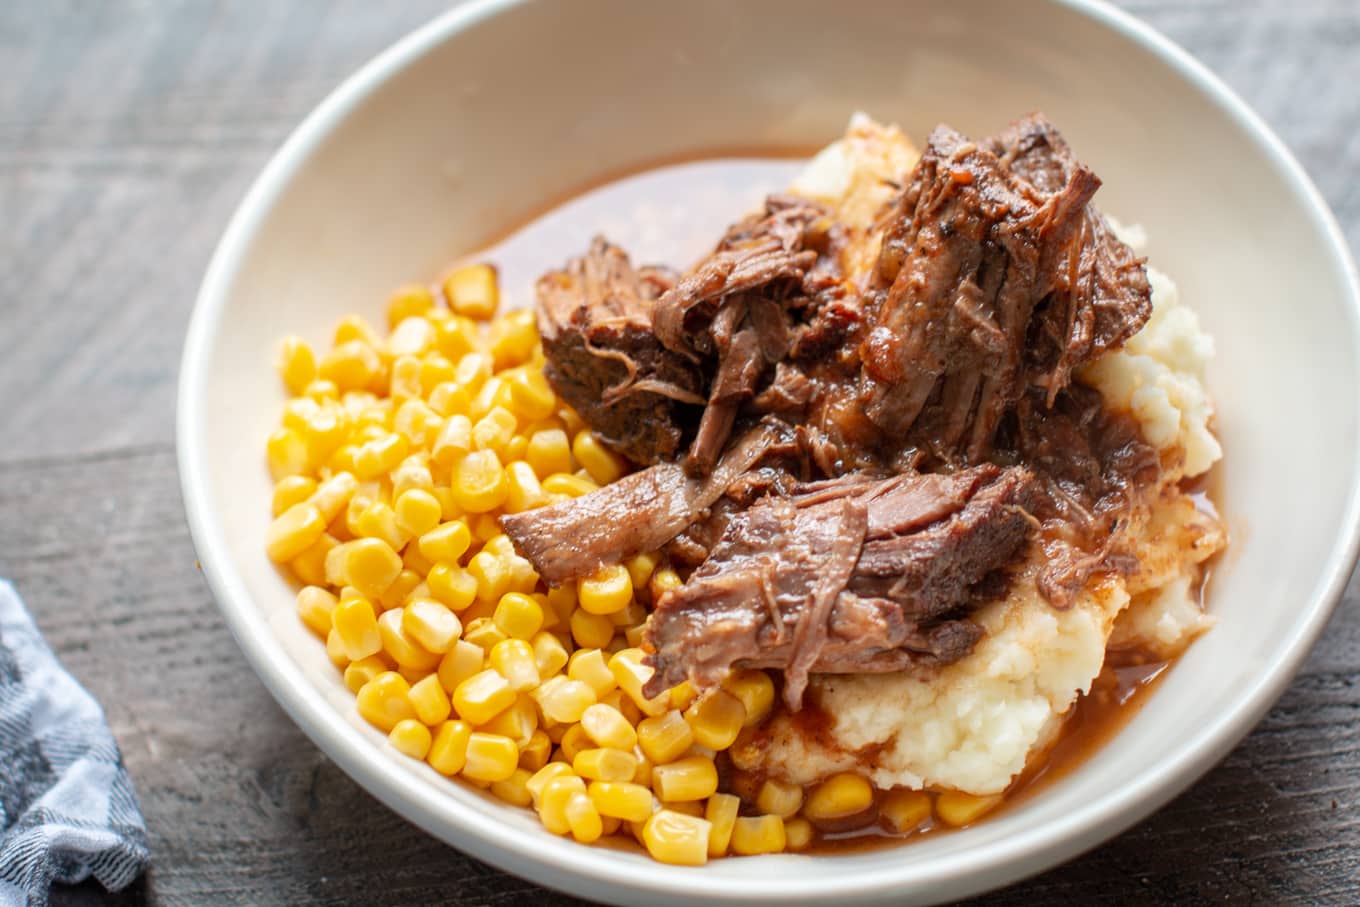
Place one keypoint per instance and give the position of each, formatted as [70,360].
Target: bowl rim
[551,860]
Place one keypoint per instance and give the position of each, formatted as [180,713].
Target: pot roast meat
[639,512]
[595,319]
[852,575]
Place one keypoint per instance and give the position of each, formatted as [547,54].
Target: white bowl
[469,125]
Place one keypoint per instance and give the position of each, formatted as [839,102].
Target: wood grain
[128,132]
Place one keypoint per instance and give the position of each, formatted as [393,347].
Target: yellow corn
[429,700]
[448,399]
[627,707]
[455,336]
[549,654]
[480,697]
[490,757]
[518,615]
[410,737]
[431,625]
[448,751]
[640,568]
[753,835]
[385,700]
[358,673]
[332,495]
[552,802]
[589,666]
[540,778]
[494,430]
[352,365]
[479,481]
[604,764]
[756,692]
[382,454]
[404,382]
[643,775]
[354,327]
[453,442]
[297,364]
[573,742]
[672,837]
[798,834]
[454,586]
[291,490]
[491,574]
[518,722]
[335,650]
[294,531]
[379,521]
[663,581]
[472,292]
[563,700]
[483,632]
[682,695]
[310,565]
[435,370]
[461,661]
[779,798]
[369,565]
[621,800]
[603,465]
[721,813]
[417,512]
[408,301]
[403,590]
[532,396]
[608,591]
[716,719]
[903,810]
[958,809]
[357,628]
[549,453]
[523,491]
[314,607]
[319,390]
[514,660]
[570,485]
[412,337]
[631,674]
[839,796]
[608,728]
[690,778]
[533,755]
[512,789]
[583,819]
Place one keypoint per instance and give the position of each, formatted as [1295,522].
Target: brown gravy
[669,212]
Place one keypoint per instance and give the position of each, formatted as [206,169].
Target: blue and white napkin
[67,807]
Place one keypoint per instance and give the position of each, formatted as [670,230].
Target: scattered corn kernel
[590,631]
[549,654]
[563,700]
[957,809]
[621,800]
[779,798]
[839,796]
[358,673]
[291,490]
[357,627]
[490,757]
[472,291]
[755,689]
[721,813]
[518,615]
[454,586]
[314,606]
[478,698]
[385,700]
[514,660]
[431,625]
[665,738]
[608,728]
[297,364]
[716,719]
[608,591]
[690,778]
[798,834]
[512,790]
[410,737]
[672,837]
[294,531]
[753,835]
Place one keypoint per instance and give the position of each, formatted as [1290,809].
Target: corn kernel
[605,764]
[518,722]
[753,835]
[534,754]
[379,521]
[552,802]
[632,675]
[716,719]
[417,512]
[958,809]
[448,751]
[798,834]
[839,796]
[405,651]
[402,589]
[608,728]
[512,789]
[589,666]
[460,662]
[314,607]
[414,336]
[384,701]
[540,778]
[494,430]
[291,490]
[533,398]
[721,813]
[682,695]
[591,631]
[430,701]
[368,564]
[518,615]
[563,700]
[453,442]
[779,798]
[408,301]
[491,574]
[310,565]
[335,650]
[583,818]
[297,364]
[357,628]
[514,660]
[352,365]
[903,810]
[490,757]
[334,494]
[472,291]
[454,586]
[620,700]
[756,692]
[603,465]
[483,632]
[549,654]
[319,390]
[569,485]
[690,778]
[360,672]
[449,399]
[455,336]
[663,581]
[621,800]
[672,837]
[411,738]
[523,491]
[549,453]
[608,591]
[479,482]
[294,531]
[381,455]
[404,382]
[480,697]
[447,542]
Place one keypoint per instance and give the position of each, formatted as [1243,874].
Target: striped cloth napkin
[67,807]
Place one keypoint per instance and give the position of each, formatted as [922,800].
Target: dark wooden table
[128,133]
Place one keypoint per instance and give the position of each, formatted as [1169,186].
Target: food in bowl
[829,533]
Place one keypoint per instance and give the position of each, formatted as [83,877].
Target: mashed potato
[974,725]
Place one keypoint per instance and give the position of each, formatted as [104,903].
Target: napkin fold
[67,806]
